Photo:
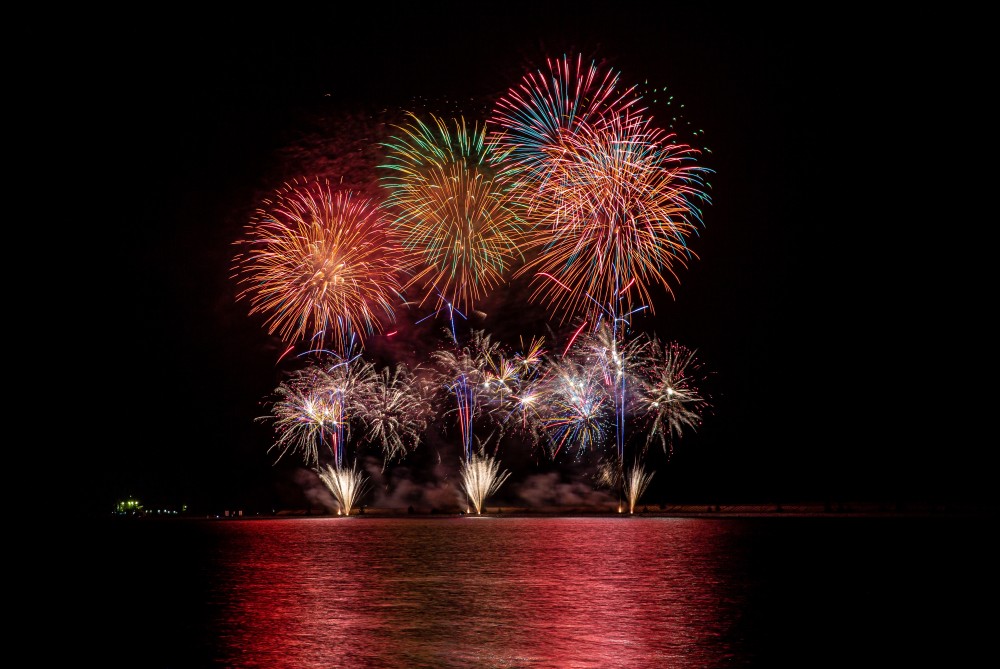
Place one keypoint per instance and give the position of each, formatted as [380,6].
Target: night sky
[820,298]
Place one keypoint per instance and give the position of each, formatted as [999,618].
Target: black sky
[818,299]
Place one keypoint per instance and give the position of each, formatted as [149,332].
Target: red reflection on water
[292,597]
[618,592]
[462,592]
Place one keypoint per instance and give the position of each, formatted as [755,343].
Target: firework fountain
[481,478]
[636,481]
[347,484]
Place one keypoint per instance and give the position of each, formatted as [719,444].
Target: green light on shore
[129,505]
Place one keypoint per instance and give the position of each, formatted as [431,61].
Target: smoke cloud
[548,490]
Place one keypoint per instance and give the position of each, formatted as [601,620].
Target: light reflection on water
[502,592]
[539,592]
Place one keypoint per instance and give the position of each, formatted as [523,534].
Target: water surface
[543,592]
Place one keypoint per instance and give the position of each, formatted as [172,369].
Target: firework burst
[533,122]
[396,410]
[315,405]
[456,207]
[514,387]
[669,392]
[613,219]
[606,349]
[610,199]
[320,265]
[575,407]
[305,414]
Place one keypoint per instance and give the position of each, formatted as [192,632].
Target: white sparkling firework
[481,478]
[636,481]
[669,394]
[347,485]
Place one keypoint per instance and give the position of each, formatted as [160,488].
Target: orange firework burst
[613,218]
[610,200]
[457,210]
[320,264]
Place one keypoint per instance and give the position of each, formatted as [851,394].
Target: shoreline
[721,511]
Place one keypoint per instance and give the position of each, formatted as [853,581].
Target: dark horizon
[800,302]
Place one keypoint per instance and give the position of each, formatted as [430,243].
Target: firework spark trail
[602,349]
[456,206]
[533,355]
[481,478]
[465,401]
[320,261]
[450,308]
[463,372]
[347,485]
